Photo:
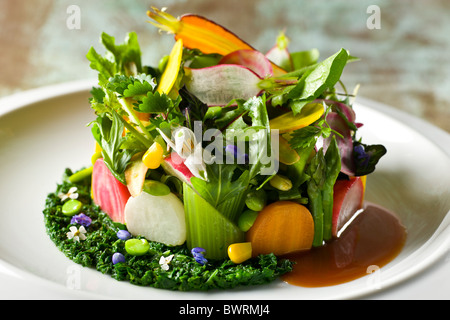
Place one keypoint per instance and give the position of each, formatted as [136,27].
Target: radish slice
[108,192]
[157,218]
[218,85]
[175,166]
[345,109]
[251,59]
[348,199]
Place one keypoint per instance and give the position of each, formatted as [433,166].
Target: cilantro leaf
[135,87]
[156,103]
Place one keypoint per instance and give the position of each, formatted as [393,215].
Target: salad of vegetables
[213,165]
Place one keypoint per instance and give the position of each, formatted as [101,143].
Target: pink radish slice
[218,85]
[345,144]
[175,166]
[108,192]
[251,59]
[348,199]
[280,57]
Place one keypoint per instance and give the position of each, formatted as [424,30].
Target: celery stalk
[206,227]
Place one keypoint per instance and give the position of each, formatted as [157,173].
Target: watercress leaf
[303,59]
[316,80]
[222,184]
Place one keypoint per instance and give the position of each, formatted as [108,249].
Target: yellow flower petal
[289,122]
[170,74]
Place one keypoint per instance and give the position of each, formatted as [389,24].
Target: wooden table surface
[405,51]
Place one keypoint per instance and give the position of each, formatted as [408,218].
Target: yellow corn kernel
[153,157]
[239,252]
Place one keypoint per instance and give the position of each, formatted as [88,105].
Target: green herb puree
[184,274]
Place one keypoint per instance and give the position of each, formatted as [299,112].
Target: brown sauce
[374,238]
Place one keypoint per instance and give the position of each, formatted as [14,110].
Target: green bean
[156,188]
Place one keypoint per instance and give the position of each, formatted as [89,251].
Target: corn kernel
[154,156]
[240,252]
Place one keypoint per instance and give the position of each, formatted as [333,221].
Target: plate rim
[431,132]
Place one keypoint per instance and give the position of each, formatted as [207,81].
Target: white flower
[185,144]
[165,261]
[72,194]
[194,162]
[76,234]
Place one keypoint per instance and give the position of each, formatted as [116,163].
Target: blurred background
[404,46]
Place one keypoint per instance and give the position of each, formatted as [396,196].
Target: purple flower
[361,155]
[82,219]
[233,151]
[198,252]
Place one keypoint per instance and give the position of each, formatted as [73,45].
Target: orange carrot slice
[203,34]
[280,228]
[198,32]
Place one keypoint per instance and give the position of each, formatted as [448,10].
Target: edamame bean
[156,188]
[71,207]
[246,220]
[281,183]
[137,247]
[256,200]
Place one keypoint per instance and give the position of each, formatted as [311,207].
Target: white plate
[43,131]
